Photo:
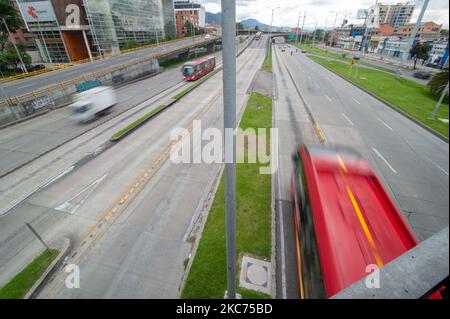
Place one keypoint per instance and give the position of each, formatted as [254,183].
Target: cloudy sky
[287,14]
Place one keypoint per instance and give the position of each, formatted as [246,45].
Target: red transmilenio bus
[194,70]
[344,221]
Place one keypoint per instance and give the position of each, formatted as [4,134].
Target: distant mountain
[253,23]
[213,18]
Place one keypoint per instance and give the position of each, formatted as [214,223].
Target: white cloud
[320,10]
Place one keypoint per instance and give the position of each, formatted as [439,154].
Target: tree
[13,20]
[239,26]
[444,33]
[9,59]
[438,82]
[420,51]
[189,29]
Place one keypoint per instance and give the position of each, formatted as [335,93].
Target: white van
[88,104]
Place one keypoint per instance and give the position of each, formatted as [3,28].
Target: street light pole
[314,33]
[229,114]
[412,39]
[24,68]
[325,31]
[303,25]
[438,105]
[298,26]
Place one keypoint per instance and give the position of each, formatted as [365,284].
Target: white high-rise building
[395,15]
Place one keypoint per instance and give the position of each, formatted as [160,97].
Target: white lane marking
[384,160]
[71,205]
[439,167]
[328,98]
[348,119]
[317,85]
[385,124]
[356,101]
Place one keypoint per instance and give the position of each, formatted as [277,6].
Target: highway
[412,163]
[130,234]
[19,87]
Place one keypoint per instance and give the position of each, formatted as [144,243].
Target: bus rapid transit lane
[120,163]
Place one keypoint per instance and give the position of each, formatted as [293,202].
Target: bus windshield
[188,70]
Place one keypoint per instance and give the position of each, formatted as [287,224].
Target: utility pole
[325,31]
[298,26]
[229,114]
[271,23]
[24,68]
[303,25]
[314,33]
[412,39]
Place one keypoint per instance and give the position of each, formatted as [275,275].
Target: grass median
[268,61]
[208,277]
[338,56]
[18,287]
[408,96]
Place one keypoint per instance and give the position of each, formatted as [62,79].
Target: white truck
[91,103]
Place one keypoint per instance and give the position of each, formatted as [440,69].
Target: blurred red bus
[194,70]
[344,221]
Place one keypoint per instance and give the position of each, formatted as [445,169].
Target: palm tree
[438,82]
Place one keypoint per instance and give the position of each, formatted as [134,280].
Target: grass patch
[207,277]
[136,123]
[337,56]
[195,85]
[409,96]
[268,61]
[18,287]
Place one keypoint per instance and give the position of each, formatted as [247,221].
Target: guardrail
[57,94]
[413,275]
[71,64]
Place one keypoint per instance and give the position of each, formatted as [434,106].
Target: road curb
[395,108]
[63,246]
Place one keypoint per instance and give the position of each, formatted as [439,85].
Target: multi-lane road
[130,234]
[412,162]
[131,213]
[19,87]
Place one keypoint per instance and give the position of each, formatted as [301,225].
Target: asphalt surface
[24,142]
[20,87]
[139,250]
[412,163]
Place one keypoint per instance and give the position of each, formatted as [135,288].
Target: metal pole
[298,26]
[271,26]
[43,41]
[324,30]
[314,33]
[37,235]
[433,116]
[303,25]
[412,39]
[229,105]
[24,68]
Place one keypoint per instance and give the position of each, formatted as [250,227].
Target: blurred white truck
[91,103]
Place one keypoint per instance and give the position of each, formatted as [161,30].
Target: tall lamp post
[271,22]
[24,68]
[412,39]
[229,115]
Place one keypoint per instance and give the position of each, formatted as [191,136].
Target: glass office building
[115,22]
[105,26]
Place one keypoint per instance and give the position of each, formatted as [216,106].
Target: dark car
[422,75]
[304,51]
[35,67]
